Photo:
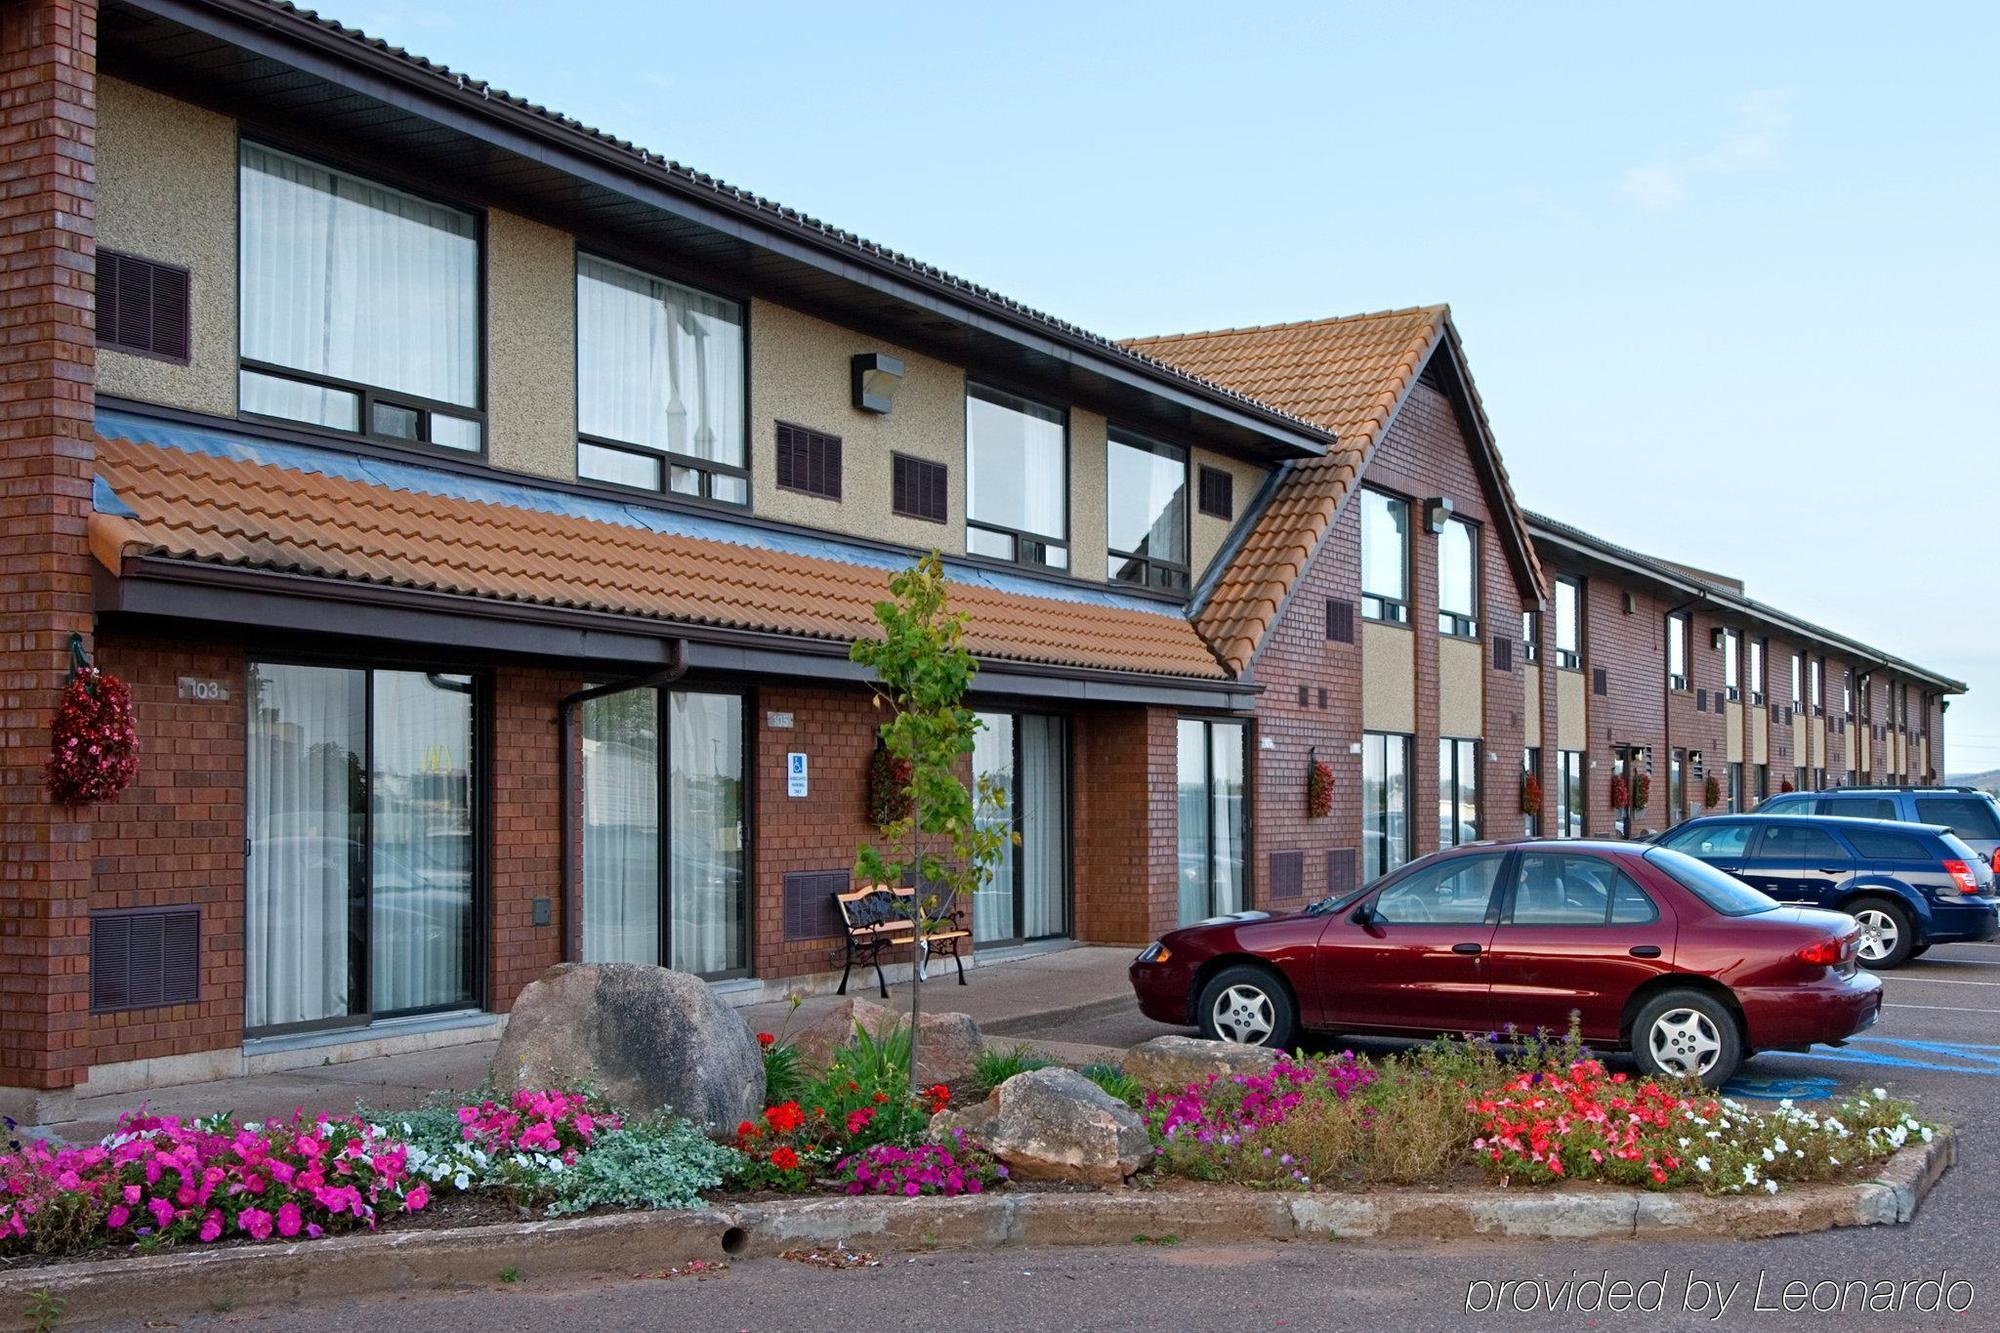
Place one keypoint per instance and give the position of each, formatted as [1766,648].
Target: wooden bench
[877,918]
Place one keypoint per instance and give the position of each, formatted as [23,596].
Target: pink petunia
[417,1199]
[211,1227]
[117,1217]
[290,1219]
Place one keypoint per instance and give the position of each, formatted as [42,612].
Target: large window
[1146,512]
[1732,664]
[1677,652]
[1458,579]
[1212,815]
[659,385]
[1816,684]
[1025,756]
[1531,636]
[1569,794]
[358,305]
[1385,803]
[1677,767]
[1017,479]
[361,845]
[1385,557]
[1798,681]
[692,844]
[1531,767]
[1458,792]
[1756,671]
[1569,622]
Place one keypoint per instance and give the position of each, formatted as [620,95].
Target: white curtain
[658,364]
[1226,742]
[705,757]
[1044,797]
[1015,474]
[303,819]
[621,828]
[420,855]
[993,758]
[356,281]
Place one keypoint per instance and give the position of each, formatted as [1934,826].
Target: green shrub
[864,1097]
[783,1080]
[993,1068]
[1115,1082]
[658,1163]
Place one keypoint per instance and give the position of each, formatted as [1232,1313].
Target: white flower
[1684,1142]
[1778,1143]
[1701,1164]
[1770,1156]
[1770,1187]
[1749,1175]
[1927,1133]
[1881,1094]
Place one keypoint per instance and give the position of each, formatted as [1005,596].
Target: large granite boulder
[947,1044]
[1171,1063]
[647,1038]
[1054,1124]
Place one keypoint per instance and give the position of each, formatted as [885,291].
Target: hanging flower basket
[1319,790]
[93,745]
[1711,793]
[888,788]
[1531,794]
[1786,786]
[1642,791]
[1621,792]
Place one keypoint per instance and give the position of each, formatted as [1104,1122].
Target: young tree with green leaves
[922,673]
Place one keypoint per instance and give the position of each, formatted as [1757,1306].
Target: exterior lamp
[877,376]
[1435,513]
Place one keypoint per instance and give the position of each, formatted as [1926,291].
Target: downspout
[571,926]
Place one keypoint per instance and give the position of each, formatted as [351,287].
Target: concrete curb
[628,1244]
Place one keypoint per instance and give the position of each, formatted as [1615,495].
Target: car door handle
[1644,951]
[1467,948]
[1833,870]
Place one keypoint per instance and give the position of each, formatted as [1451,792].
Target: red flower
[746,1130]
[93,744]
[766,1040]
[784,1119]
[785,1159]
[881,1097]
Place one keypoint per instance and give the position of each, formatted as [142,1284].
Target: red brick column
[48,63]
[1125,853]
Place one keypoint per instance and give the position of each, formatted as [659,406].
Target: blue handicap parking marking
[1781,1089]
[1907,1053]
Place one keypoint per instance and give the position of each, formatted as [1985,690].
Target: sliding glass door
[692,843]
[1213,827]
[1026,758]
[362,846]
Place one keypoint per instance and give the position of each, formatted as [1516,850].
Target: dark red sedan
[1654,951]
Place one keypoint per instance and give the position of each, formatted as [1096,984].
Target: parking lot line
[1941,1008]
[1938,981]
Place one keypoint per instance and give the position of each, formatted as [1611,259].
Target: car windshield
[1724,892]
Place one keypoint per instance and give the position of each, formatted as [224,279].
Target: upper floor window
[1677,652]
[359,305]
[1818,673]
[1385,557]
[1146,512]
[1798,678]
[1569,622]
[1732,666]
[659,385]
[1458,579]
[1756,671]
[1016,479]
[1531,636]
[1847,693]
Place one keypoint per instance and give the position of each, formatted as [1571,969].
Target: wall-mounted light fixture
[877,376]
[1436,512]
[1715,638]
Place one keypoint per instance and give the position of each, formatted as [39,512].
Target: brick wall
[1125,824]
[47,360]
[526,829]
[175,838]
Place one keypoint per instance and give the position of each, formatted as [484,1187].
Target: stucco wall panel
[531,346]
[1461,688]
[1388,678]
[1572,726]
[1209,533]
[1087,549]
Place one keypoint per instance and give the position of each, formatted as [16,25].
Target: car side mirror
[1364,915]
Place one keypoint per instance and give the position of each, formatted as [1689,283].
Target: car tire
[1688,1034]
[1248,1005]
[1888,932]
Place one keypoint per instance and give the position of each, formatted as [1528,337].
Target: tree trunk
[916,954]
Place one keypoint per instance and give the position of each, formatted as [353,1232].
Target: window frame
[1455,624]
[1570,658]
[1679,669]
[1019,536]
[707,469]
[1454,776]
[1816,685]
[1531,767]
[1758,651]
[367,396]
[1379,818]
[1247,832]
[1119,436]
[1377,606]
[1395,881]
[1572,799]
[1732,664]
[1519,874]
[1531,635]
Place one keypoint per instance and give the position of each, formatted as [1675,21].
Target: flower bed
[1455,1111]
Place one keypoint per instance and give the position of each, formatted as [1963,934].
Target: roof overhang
[280,69]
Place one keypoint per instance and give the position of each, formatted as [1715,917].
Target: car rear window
[1786,805]
[1967,816]
[1955,846]
[1724,892]
[1877,846]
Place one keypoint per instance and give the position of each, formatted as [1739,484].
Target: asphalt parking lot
[1938,1042]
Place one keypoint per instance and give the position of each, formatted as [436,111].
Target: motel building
[480,509]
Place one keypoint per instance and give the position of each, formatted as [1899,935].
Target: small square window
[1217,497]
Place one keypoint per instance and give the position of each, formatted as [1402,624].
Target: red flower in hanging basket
[1786,785]
[1531,794]
[1319,790]
[1621,792]
[93,745]
[1711,793]
[1642,791]
[888,788]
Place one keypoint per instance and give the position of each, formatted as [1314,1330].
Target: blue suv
[1909,885]
[1972,814]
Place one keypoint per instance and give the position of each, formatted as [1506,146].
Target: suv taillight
[1821,953]
[1961,875]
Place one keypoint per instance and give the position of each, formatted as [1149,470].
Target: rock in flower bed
[1457,1111]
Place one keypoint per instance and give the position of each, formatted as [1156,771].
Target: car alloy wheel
[1879,934]
[1243,1014]
[1685,1041]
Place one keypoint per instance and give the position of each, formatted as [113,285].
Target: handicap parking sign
[795,774]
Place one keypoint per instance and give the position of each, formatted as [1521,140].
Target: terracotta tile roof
[196,506]
[1348,375]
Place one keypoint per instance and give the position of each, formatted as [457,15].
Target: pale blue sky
[1719,269]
